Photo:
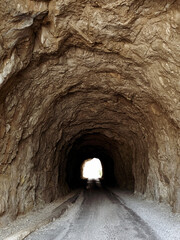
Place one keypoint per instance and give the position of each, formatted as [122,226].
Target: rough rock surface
[96,75]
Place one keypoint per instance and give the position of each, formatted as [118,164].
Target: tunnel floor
[101,213]
[101,216]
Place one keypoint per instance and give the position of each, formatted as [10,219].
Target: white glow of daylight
[92,169]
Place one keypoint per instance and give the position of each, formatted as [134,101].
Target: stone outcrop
[82,79]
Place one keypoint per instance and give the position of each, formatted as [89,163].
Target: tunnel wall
[72,68]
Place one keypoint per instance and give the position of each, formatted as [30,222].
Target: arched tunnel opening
[117,161]
[88,147]
[92,169]
[74,88]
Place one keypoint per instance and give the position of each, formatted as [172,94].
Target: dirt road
[99,215]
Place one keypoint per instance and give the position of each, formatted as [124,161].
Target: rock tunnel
[83,79]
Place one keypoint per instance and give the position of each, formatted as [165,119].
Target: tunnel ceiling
[102,74]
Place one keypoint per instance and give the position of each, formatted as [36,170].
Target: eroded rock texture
[86,78]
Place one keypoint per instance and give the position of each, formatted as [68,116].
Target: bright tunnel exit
[92,169]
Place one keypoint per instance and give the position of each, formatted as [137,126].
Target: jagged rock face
[81,79]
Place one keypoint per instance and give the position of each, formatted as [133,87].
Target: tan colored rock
[79,78]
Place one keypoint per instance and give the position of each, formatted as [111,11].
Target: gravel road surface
[98,214]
